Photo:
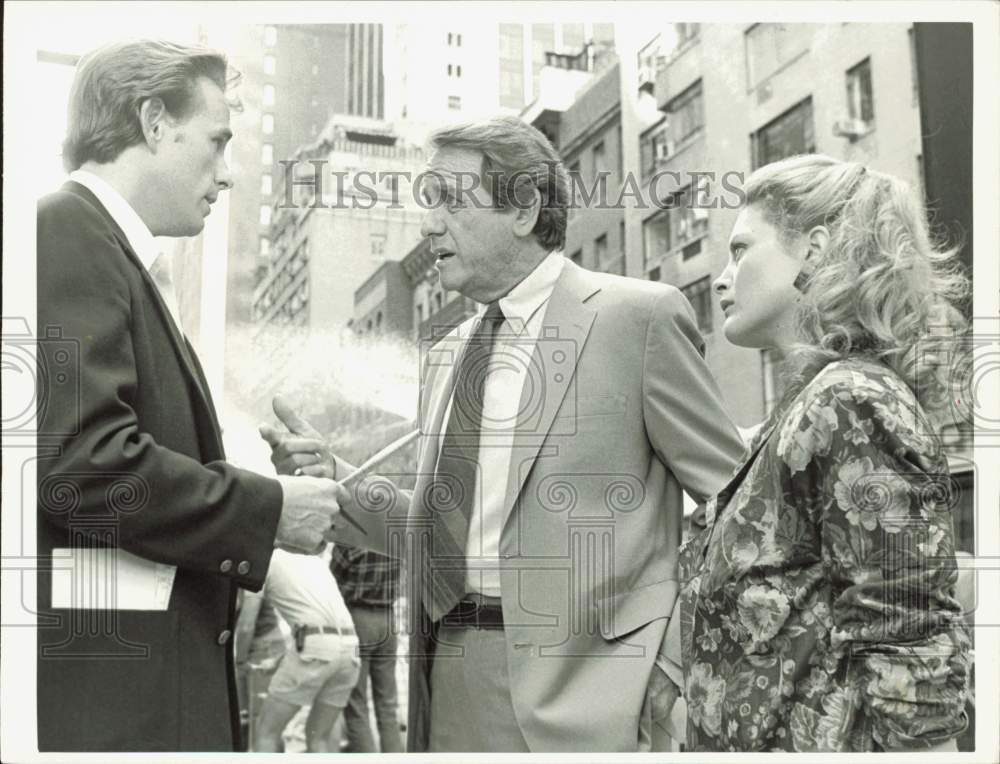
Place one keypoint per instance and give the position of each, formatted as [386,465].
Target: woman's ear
[819,240]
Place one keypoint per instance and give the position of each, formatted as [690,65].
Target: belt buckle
[461,614]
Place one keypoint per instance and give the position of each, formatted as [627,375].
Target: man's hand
[309,509]
[661,694]
[300,451]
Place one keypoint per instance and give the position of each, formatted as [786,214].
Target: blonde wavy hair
[883,289]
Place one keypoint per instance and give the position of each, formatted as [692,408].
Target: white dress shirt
[150,254]
[523,310]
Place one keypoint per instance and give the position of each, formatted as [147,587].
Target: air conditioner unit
[850,128]
[647,75]
[665,150]
[684,230]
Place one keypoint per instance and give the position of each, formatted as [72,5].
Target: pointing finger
[291,419]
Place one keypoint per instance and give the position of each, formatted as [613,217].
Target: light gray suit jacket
[619,413]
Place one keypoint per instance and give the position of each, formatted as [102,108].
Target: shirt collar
[135,230]
[521,302]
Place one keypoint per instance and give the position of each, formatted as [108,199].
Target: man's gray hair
[517,158]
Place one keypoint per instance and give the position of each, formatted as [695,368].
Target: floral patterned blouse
[817,607]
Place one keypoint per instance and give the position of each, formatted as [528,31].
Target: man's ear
[526,211]
[153,118]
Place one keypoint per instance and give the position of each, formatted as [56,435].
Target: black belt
[301,632]
[475,615]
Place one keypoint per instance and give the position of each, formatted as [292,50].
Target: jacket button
[226,566]
[224,636]
[243,568]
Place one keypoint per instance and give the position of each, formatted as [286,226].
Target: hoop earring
[805,274]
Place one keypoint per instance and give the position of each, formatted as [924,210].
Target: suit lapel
[565,328]
[177,340]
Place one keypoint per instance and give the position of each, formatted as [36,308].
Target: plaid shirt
[365,578]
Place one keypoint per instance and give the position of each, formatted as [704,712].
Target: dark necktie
[451,499]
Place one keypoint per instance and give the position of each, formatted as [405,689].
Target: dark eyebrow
[225,133]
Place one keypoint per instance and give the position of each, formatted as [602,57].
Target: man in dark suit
[144,531]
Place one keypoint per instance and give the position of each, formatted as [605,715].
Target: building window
[685,117]
[438,302]
[268,95]
[265,246]
[454,103]
[315,69]
[266,185]
[859,93]
[688,222]
[511,49]
[511,85]
[601,250]
[268,64]
[267,155]
[574,180]
[378,246]
[686,32]
[600,163]
[621,237]
[679,226]
[771,46]
[265,214]
[267,124]
[449,70]
[656,236]
[270,36]
[577,257]
[458,70]
[450,38]
[600,159]
[654,146]
[699,294]
[789,134]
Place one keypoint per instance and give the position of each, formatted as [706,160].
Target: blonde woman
[818,609]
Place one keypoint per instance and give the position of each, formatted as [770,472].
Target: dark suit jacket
[130,456]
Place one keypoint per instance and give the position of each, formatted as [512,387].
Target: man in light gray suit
[559,427]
